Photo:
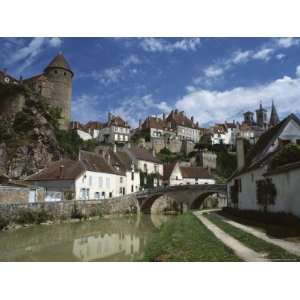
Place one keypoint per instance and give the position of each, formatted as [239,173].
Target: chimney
[164,116]
[140,123]
[109,116]
[61,171]
[240,152]
[107,158]
[153,152]
[115,148]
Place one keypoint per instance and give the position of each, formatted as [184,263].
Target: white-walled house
[122,162]
[243,186]
[224,133]
[115,130]
[146,162]
[91,177]
[175,174]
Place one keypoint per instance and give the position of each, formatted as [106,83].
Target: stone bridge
[184,196]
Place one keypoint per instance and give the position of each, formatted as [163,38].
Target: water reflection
[117,239]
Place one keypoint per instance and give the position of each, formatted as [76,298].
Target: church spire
[274,119]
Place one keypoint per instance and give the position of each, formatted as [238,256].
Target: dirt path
[291,247]
[239,249]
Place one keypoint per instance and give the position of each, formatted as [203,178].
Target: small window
[121,179]
[110,194]
[65,74]
[55,71]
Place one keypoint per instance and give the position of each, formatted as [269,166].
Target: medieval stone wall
[65,209]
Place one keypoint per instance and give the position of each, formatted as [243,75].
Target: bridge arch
[184,197]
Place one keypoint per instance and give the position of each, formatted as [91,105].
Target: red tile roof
[195,172]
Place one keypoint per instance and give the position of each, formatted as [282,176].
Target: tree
[288,154]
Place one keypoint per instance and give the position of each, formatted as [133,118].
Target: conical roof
[59,61]
[274,119]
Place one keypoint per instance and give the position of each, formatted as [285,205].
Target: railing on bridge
[164,189]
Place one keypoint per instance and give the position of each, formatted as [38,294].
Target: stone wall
[12,195]
[65,209]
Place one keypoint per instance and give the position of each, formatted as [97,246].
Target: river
[106,239]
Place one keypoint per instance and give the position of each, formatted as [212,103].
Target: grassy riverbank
[271,251]
[185,238]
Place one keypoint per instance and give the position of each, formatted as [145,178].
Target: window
[298,142]
[65,74]
[132,175]
[100,181]
[126,138]
[97,195]
[145,167]
[176,177]
[121,191]
[110,194]
[116,137]
[84,179]
[55,71]
[108,183]
[103,195]
[90,180]
[121,179]
[155,168]
[132,188]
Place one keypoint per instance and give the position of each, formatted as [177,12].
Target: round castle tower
[60,75]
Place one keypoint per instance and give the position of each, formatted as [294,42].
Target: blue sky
[213,79]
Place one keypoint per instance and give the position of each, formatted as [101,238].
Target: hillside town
[126,160]
[250,164]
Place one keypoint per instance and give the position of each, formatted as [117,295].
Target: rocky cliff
[28,139]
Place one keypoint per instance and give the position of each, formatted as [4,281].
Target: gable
[291,131]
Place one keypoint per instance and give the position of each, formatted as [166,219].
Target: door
[31,196]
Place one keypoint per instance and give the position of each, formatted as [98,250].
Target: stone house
[176,174]
[185,128]
[91,177]
[146,162]
[115,130]
[255,169]
[121,161]
[224,133]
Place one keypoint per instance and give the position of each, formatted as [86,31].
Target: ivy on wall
[147,180]
[265,192]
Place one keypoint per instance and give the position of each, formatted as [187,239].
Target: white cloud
[213,71]
[136,108]
[55,42]
[287,42]
[25,54]
[263,54]
[218,106]
[240,57]
[162,45]
[280,56]
[85,108]
[298,71]
[114,74]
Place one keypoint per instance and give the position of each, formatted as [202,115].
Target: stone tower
[60,75]
[261,117]
[274,119]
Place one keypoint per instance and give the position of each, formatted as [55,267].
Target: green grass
[185,238]
[272,252]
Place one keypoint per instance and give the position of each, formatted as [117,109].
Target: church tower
[274,119]
[261,117]
[60,76]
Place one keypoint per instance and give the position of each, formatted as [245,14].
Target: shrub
[3,222]
[28,216]
[288,154]
[76,213]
